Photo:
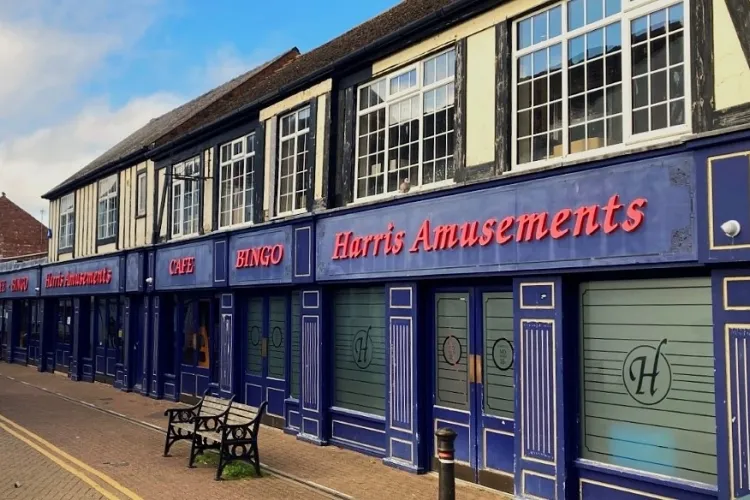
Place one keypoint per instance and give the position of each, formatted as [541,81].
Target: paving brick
[351,473]
[39,477]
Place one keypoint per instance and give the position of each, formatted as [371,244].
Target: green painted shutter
[648,376]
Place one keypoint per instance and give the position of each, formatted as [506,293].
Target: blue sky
[81,75]
[190,31]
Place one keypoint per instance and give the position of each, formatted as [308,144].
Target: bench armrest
[192,409]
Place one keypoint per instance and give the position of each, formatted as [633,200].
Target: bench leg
[222,462]
[256,456]
[194,450]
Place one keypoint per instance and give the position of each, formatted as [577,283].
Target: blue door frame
[485,441]
[4,330]
[136,346]
[266,334]
[64,334]
[33,323]
[198,347]
[108,320]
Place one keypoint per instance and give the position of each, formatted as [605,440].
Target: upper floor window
[67,222]
[292,178]
[236,176]
[107,208]
[407,117]
[593,74]
[140,195]
[185,193]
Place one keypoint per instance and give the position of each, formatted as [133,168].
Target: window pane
[452,325]
[255,336]
[499,393]
[359,362]
[647,374]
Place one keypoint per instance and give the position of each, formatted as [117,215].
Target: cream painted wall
[458,32]
[731,72]
[85,235]
[480,98]
[320,133]
[54,225]
[296,99]
[160,188]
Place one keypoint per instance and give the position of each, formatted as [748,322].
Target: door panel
[277,332]
[474,391]
[254,342]
[452,391]
[496,445]
[197,322]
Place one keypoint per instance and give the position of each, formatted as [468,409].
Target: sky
[78,76]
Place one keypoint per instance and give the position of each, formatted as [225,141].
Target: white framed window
[107,208]
[140,195]
[598,76]
[185,192]
[236,175]
[293,161]
[67,222]
[406,128]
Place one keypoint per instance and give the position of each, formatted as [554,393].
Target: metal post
[446,453]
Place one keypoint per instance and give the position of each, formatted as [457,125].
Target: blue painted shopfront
[89,309]
[269,271]
[186,280]
[21,318]
[476,310]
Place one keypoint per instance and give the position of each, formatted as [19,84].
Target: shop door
[268,322]
[35,328]
[474,391]
[4,330]
[63,345]
[109,338]
[197,351]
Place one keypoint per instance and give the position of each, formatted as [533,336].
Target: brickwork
[20,233]
[27,474]
[350,473]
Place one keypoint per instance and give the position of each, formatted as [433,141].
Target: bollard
[446,452]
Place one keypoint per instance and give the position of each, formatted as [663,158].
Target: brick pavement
[350,473]
[128,453]
[37,476]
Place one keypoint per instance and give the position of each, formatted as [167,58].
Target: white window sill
[184,237]
[652,141]
[395,195]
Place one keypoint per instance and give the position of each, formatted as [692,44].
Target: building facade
[522,220]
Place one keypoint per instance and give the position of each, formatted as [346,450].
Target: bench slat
[243,413]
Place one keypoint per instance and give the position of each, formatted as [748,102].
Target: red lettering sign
[19,285]
[3,286]
[184,265]
[62,280]
[582,221]
[264,256]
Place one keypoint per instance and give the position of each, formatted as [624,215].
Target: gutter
[353,58]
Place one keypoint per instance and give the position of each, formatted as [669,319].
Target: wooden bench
[208,413]
[236,437]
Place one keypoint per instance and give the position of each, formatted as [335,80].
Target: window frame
[245,156]
[106,198]
[295,135]
[195,191]
[420,89]
[66,224]
[141,197]
[629,12]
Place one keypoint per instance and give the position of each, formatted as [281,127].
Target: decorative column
[122,378]
[47,335]
[157,369]
[314,373]
[11,331]
[145,343]
[403,377]
[229,362]
[541,465]
[731,315]
[81,332]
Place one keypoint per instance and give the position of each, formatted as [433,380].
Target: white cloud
[48,50]
[32,164]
